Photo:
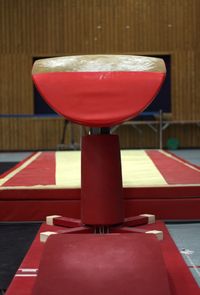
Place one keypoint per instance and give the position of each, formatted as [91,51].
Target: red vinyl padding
[99,98]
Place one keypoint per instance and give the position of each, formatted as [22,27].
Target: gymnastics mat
[49,183]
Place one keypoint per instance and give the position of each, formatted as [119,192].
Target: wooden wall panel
[15,84]
[185,98]
[39,133]
[36,133]
[188,136]
[37,28]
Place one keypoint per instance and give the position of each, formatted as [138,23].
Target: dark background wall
[38,28]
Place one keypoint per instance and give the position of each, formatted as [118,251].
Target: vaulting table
[112,257]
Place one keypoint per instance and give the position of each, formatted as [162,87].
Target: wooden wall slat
[39,133]
[50,26]
[16,84]
[37,28]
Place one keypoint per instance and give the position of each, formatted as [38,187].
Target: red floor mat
[174,170]
[21,197]
[39,172]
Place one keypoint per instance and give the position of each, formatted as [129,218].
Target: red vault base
[102,265]
[180,278]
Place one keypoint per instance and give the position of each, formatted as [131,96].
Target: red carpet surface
[180,278]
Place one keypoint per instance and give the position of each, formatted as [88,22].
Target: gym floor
[16,238]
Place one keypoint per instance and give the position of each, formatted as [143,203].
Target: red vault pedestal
[101,181]
[102,264]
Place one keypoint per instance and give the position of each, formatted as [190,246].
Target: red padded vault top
[99,90]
